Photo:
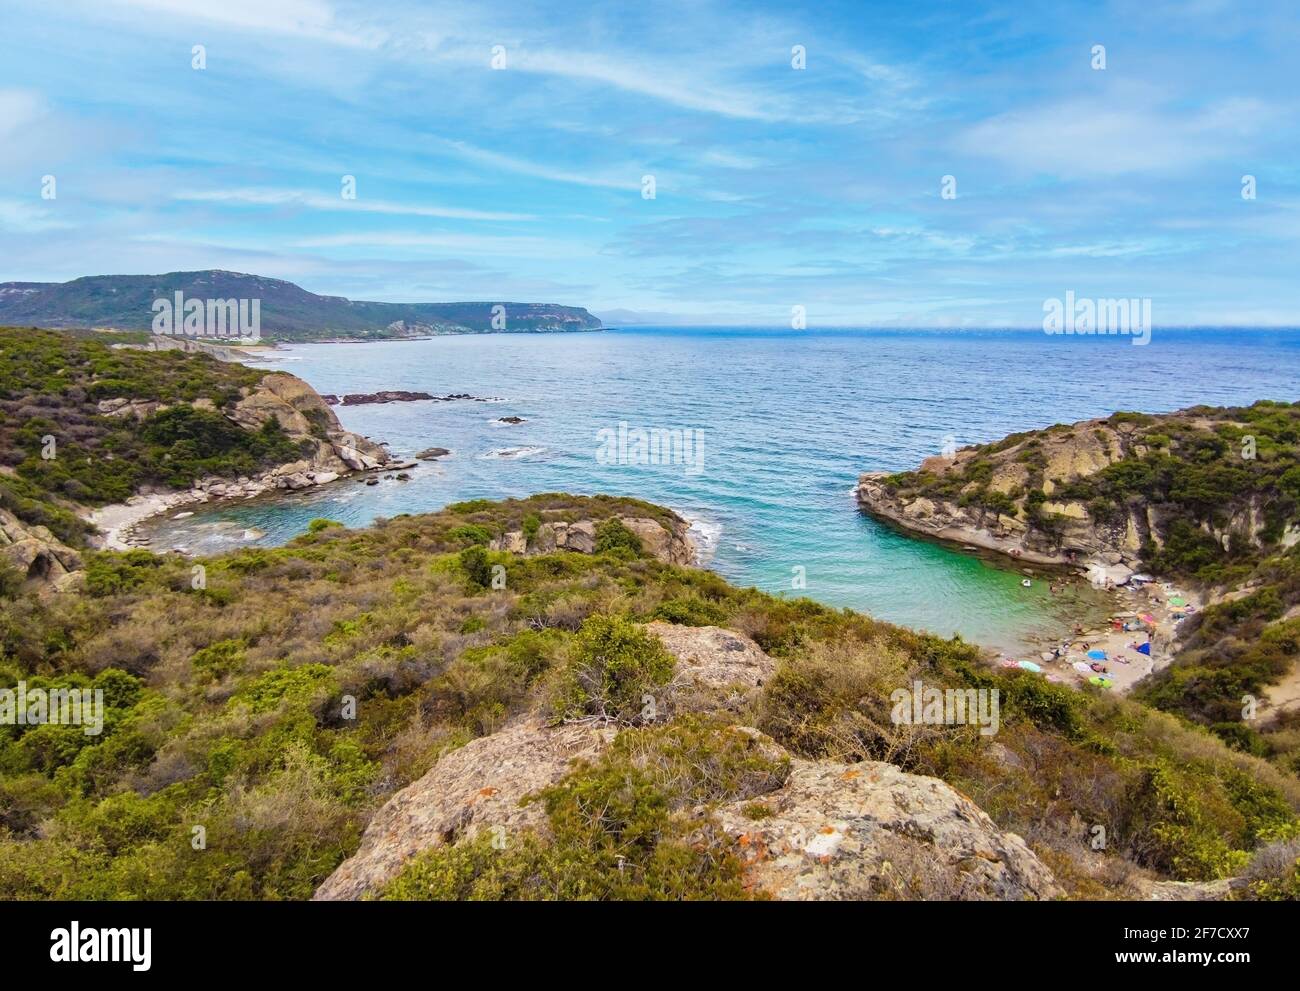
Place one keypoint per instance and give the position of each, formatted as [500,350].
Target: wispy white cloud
[313,19]
[18,108]
[20,215]
[260,196]
[1095,137]
[516,246]
[537,170]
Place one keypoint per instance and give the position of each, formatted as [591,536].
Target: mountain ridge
[288,312]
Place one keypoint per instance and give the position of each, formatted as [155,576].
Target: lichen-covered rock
[868,831]
[476,787]
[715,658]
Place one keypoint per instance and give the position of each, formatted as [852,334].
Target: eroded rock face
[672,546]
[1043,459]
[476,787]
[35,552]
[305,416]
[871,831]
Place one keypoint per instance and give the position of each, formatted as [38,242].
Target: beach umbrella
[1176,601]
[1030,666]
[1082,667]
[1099,681]
[1146,617]
[1144,648]
[1097,655]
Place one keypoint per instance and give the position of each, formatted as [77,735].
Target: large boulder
[34,552]
[714,658]
[871,831]
[476,787]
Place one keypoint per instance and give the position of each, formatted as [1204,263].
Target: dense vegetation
[1224,485]
[226,712]
[51,384]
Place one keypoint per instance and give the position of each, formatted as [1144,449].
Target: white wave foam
[513,453]
[706,535]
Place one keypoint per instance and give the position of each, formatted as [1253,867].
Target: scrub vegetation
[226,711]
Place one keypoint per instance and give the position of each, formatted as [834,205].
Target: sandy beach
[1141,614]
[116,522]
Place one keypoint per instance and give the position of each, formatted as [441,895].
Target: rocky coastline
[332,453]
[401,396]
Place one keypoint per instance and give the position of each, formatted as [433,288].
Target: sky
[501,151]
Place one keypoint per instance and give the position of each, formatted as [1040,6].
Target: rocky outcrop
[871,831]
[35,553]
[668,543]
[306,417]
[718,660]
[135,409]
[830,832]
[476,787]
[827,831]
[943,519]
[399,396]
[980,496]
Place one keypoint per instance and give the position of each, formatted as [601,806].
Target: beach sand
[116,522]
[1124,665]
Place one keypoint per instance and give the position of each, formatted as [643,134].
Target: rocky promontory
[667,542]
[1103,494]
[330,453]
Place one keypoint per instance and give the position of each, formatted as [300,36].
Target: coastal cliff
[1207,497]
[95,438]
[1106,493]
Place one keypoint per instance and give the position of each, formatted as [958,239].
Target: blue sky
[775,187]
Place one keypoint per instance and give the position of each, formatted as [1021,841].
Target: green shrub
[475,563]
[690,611]
[613,537]
[613,664]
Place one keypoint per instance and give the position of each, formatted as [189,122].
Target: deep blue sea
[787,421]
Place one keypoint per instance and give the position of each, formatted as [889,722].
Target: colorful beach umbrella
[1176,601]
[1144,648]
[1030,666]
[1097,655]
[1082,667]
[1100,682]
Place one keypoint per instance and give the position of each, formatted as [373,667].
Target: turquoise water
[788,421]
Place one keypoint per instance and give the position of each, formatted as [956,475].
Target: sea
[760,436]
